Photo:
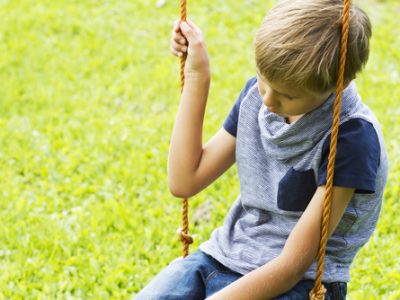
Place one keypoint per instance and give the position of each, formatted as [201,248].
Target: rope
[183,57]
[183,232]
[318,291]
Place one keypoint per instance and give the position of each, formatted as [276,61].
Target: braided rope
[183,232]
[318,291]
[183,57]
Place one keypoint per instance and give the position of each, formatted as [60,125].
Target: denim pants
[198,276]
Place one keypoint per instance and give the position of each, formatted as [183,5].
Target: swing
[318,291]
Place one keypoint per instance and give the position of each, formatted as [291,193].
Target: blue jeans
[198,276]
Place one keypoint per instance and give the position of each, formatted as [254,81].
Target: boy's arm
[283,272]
[192,166]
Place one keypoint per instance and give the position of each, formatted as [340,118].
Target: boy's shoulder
[247,87]
[230,123]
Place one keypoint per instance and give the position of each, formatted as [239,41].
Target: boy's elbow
[179,193]
[180,190]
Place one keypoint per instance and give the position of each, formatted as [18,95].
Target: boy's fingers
[177,34]
[192,25]
[176,26]
[179,39]
[174,52]
[188,31]
[178,47]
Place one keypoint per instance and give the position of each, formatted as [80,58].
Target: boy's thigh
[181,279]
[335,291]
[219,279]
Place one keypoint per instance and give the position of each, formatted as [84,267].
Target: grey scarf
[302,135]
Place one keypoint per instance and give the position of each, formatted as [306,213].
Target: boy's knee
[179,280]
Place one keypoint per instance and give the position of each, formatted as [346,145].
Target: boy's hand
[187,39]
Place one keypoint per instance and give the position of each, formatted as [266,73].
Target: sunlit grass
[88,97]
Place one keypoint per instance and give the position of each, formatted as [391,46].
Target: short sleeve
[231,120]
[357,157]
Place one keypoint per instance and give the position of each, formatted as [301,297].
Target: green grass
[87,102]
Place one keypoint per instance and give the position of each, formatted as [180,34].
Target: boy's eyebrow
[283,94]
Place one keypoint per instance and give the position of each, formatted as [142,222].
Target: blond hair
[299,41]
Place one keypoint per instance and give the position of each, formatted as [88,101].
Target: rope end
[317,294]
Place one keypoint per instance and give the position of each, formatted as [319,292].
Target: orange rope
[318,291]
[183,232]
[183,57]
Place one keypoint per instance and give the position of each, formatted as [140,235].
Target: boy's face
[287,101]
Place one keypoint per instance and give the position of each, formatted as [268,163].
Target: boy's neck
[292,119]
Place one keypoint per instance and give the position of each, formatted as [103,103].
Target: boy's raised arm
[191,167]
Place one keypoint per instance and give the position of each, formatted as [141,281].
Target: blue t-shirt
[357,156]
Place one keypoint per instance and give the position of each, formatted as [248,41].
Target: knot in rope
[184,237]
[318,294]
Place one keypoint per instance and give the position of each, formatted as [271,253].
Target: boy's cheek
[259,88]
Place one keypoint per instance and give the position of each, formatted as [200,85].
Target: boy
[278,132]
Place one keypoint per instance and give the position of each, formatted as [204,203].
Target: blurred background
[88,95]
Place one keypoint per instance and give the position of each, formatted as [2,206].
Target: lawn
[87,102]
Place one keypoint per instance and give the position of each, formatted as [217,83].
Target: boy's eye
[286,96]
[290,98]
